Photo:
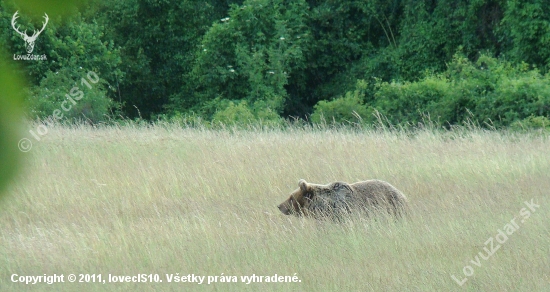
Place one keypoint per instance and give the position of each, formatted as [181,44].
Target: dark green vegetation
[10,111]
[451,62]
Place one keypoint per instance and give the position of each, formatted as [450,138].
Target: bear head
[301,200]
[298,199]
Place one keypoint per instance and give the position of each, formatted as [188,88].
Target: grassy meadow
[167,199]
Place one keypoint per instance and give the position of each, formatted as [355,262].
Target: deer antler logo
[29,40]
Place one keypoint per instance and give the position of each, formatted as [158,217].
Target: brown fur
[340,197]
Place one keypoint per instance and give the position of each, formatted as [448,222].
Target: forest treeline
[233,61]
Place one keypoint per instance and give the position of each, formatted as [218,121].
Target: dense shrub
[532,122]
[409,102]
[251,54]
[349,108]
[489,91]
[241,113]
[515,99]
[88,100]
[296,58]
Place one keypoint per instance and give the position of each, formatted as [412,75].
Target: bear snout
[284,209]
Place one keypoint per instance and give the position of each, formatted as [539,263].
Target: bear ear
[303,185]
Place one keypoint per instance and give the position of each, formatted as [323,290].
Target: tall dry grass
[166,199]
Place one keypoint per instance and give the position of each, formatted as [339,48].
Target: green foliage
[347,41]
[10,117]
[516,98]
[295,58]
[532,122]
[526,31]
[77,44]
[88,100]
[252,53]
[409,102]
[57,7]
[158,40]
[349,108]
[433,31]
[241,113]
[13,85]
[73,47]
[489,91]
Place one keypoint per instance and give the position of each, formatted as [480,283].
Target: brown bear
[339,197]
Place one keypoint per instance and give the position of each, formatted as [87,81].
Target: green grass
[165,199]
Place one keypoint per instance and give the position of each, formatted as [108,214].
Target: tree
[250,55]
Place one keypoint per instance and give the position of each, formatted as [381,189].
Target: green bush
[489,91]
[532,122]
[11,130]
[241,113]
[409,102]
[87,99]
[349,108]
[515,99]
[251,54]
